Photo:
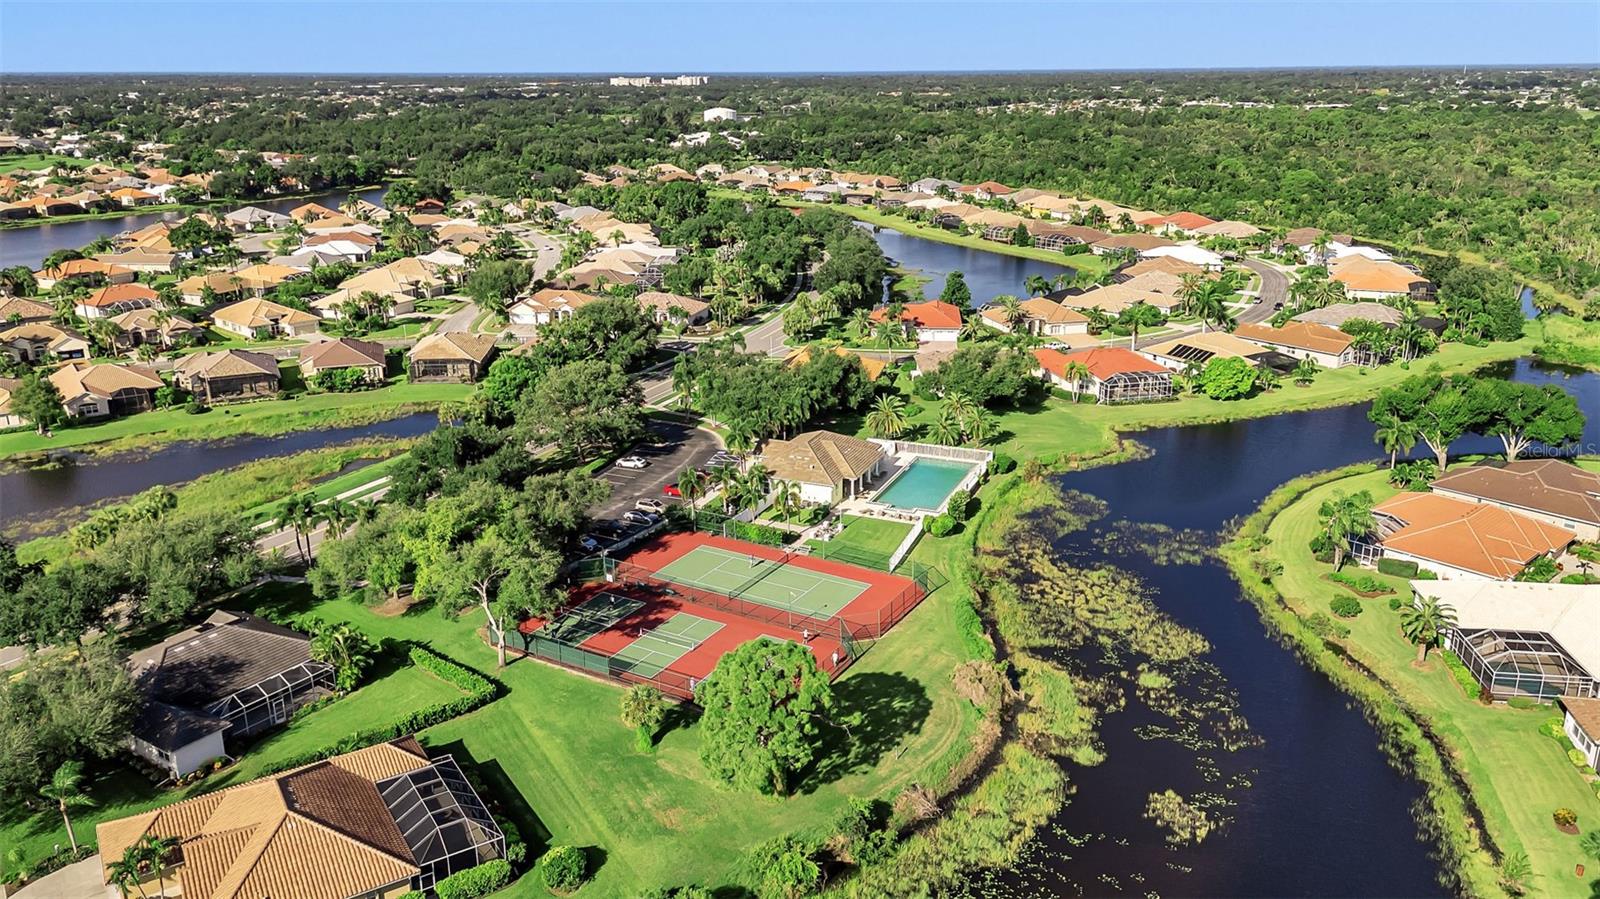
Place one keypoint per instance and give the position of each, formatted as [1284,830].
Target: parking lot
[670,449]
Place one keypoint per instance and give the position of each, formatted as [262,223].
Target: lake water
[1324,813]
[38,494]
[988,274]
[29,246]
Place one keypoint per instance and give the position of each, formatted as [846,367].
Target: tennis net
[674,639]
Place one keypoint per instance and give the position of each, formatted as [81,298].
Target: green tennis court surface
[766,581]
[589,618]
[658,648]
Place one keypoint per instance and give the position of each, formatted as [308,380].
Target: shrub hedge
[1458,670]
[562,868]
[1397,568]
[480,880]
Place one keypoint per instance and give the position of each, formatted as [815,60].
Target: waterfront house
[90,271]
[375,823]
[1110,374]
[1551,490]
[1200,257]
[207,687]
[254,218]
[1582,726]
[342,354]
[1179,353]
[9,418]
[1040,315]
[114,299]
[827,467]
[264,320]
[1328,347]
[1458,539]
[1538,641]
[455,356]
[1369,279]
[95,391]
[141,261]
[933,321]
[1139,243]
[228,375]
[133,197]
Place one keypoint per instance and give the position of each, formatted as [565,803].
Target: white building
[719,114]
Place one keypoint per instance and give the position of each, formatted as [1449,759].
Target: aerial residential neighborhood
[869,481]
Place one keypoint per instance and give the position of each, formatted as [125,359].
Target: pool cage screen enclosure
[442,820]
[1512,663]
[271,701]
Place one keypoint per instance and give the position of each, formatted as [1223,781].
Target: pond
[29,246]
[988,274]
[31,497]
[1324,813]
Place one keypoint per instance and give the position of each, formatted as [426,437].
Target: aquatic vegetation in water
[1162,544]
[1185,821]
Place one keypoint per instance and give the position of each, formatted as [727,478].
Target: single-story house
[1164,264]
[1199,256]
[94,391]
[344,353]
[226,375]
[114,299]
[1110,374]
[21,311]
[153,327]
[1551,490]
[1139,243]
[141,261]
[231,676]
[254,218]
[1228,228]
[826,467]
[1113,298]
[671,307]
[1458,539]
[1582,726]
[331,306]
[1522,639]
[454,356]
[404,277]
[37,341]
[222,286]
[1328,347]
[132,197]
[375,824]
[1040,315]
[1369,279]
[933,321]
[1198,349]
[264,319]
[92,269]
[1335,315]
[872,365]
[310,212]
[547,305]
[8,416]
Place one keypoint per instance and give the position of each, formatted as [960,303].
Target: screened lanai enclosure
[443,820]
[1512,663]
[1135,387]
[272,700]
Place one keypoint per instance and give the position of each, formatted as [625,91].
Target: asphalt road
[1274,290]
[767,337]
[685,446]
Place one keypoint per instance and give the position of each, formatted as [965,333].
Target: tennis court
[769,582]
[657,648]
[590,617]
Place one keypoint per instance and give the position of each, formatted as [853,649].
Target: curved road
[1274,290]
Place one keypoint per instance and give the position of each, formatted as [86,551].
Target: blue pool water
[925,484]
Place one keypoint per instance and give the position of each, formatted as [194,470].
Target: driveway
[682,446]
[80,880]
[459,320]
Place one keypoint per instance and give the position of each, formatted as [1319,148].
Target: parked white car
[653,506]
[637,517]
[632,462]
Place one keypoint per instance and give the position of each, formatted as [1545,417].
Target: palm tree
[1210,304]
[786,496]
[888,416]
[1267,379]
[1395,435]
[961,405]
[1343,518]
[1193,283]
[888,334]
[946,428]
[1305,371]
[1423,623]
[725,477]
[981,426]
[1012,306]
[65,789]
[1037,285]
[338,514]
[861,321]
[1319,247]
[125,872]
[1077,374]
[692,486]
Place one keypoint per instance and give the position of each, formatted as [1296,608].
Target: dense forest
[1496,163]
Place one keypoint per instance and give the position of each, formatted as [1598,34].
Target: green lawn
[659,818]
[1518,776]
[261,417]
[1570,341]
[32,161]
[328,489]
[877,536]
[119,791]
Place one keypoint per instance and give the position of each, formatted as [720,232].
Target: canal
[32,499]
[1315,808]
[987,274]
[29,246]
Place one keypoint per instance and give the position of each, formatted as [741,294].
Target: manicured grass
[119,791]
[1570,341]
[33,161]
[336,485]
[1517,775]
[403,329]
[659,818]
[877,536]
[260,417]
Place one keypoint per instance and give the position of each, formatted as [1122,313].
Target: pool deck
[898,465]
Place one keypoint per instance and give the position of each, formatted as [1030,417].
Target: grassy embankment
[1570,341]
[1515,775]
[263,417]
[256,489]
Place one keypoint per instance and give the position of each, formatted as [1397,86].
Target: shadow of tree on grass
[875,711]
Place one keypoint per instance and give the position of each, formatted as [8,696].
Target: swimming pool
[924,484]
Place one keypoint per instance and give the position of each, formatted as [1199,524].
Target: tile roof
[872,366]
[342,353]
[77,378]
[1136,241]
[24,308]
[457,345]
[1550,486]
[1472,536]
[1337,314]
[260,313]
[1299,335]
[117,294]
[227,364]
[1361,273]
[1102,362]
[656,299]
[931,314]
[821,457]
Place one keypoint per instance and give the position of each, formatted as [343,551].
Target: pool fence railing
[904,549]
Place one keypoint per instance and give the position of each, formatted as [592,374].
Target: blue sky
[469,37]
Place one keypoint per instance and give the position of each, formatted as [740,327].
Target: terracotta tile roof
[220,282]
[994,187]
[75,268]
[1586,712]
[1113,298]
[550,299]
[261,313]
[352,236]
[1229,228]
[1168,264]
[1188,221]
[321,831]
[820,457]
[1472,536]
[117,294]
[145,320]
[22,307]
[873,367]
[227,363]
[1136,241]
[455,345]
[931,314]
[77,378]
[1102,362]
[342,353]
[1040,309]
[1361,273]
[310,212]
[1298,334]
[1550,486]
[43,332]
[656,299]
[1217,343]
